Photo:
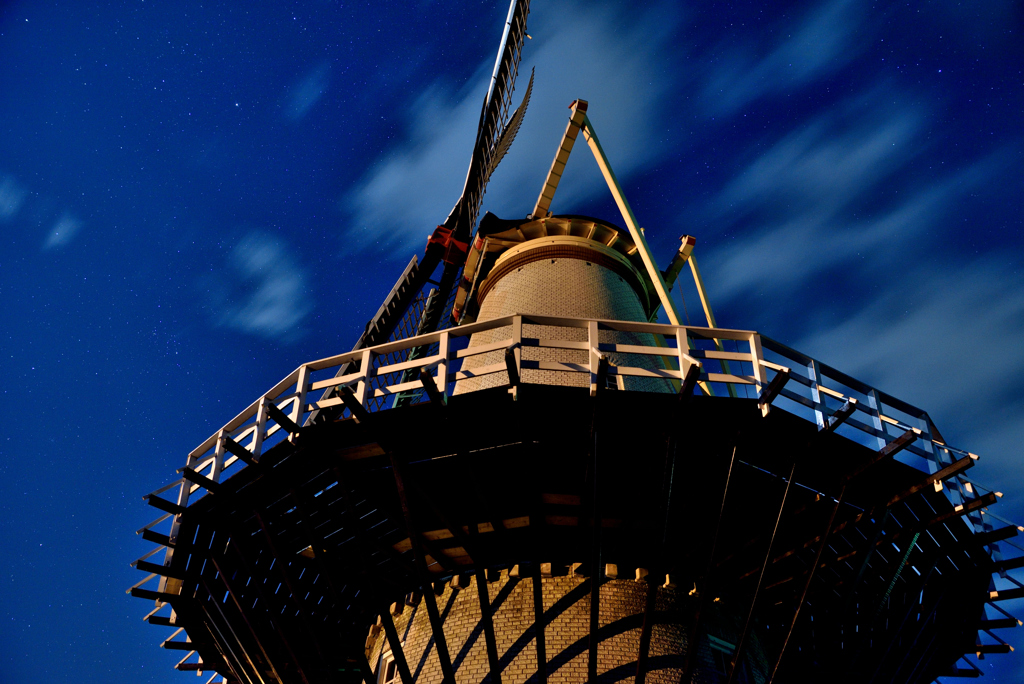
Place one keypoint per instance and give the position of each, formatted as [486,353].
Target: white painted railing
[746,364]
[737,363]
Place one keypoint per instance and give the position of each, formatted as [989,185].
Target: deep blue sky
[196,198]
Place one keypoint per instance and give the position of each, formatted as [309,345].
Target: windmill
[518,475]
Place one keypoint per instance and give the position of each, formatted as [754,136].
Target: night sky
[195,198]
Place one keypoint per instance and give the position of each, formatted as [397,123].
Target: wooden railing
[747,364]
[738,363]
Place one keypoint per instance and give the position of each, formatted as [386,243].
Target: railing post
[301,385]
[682,346]
[760,374]
[875,404]
[442,366]
[366,371]
[925,441]
[218,457]
[261,428]
[814,373]
[517,351]
[593,347]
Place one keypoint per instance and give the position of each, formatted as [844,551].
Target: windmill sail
[509,134]
[410,309]
[494,120]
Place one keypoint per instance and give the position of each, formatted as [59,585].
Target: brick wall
[561,287]
[565,619]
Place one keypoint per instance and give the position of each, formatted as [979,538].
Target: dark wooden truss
[850,564]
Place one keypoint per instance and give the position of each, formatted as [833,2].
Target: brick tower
[518,476]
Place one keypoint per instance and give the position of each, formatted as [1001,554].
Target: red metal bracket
[455,251]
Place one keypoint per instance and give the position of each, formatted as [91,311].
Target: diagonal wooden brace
[691,379]
[430,387]
[772,390]
[279,417]
[840,416]
[572,130]
[200,479]
[238,450]
[348,397]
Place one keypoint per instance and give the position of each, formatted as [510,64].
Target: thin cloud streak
[12,196]
[63,231]
[815,200]
[821,167]
[262,290]
[307,92]
[822,44]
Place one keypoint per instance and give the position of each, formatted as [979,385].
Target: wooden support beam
[436,626]
[994,536]
[631,223]
[961,672]
[769,393]
[741,645]
[998,623]
[238,450]
[178,645]
[572,130]
[488,623]
[1002,595]
[352,521]
[866,550]
[396,647]
[693,634]
[266,600]
[807,584]
[602,372]
[239,665]
[363,665]
[200,479]
[320,547]
[840,416]
[510,366]
[245,617]
[456,531]
[282,419]
[888,451]
[962,509]
[298,598]
[348,397]
[138,592]
[922,618]
[938,476]
[992,648]
[595,524]
[159,569]
[664,510]
[327,569]
[430,387]
[163,504]
[690,380]
[157,538]
[275,625]
[162,621]
[538,625]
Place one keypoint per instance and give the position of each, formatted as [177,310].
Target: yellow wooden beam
[631,224]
